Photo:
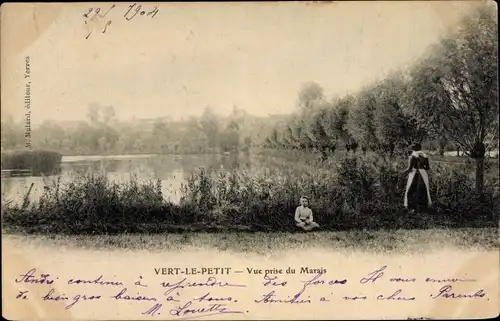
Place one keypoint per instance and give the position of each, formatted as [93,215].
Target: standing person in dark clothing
[417,194]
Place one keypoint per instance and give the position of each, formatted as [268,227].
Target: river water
[171,170]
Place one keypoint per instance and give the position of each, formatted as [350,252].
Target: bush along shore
[37,161]
[356,193]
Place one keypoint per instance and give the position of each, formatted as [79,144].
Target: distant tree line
[101,133]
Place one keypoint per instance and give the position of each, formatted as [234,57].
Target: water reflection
[171,170]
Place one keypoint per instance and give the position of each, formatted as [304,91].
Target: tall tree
[394,128]
[465,71]
[12,135]
[425,98]
[210,126]
[230,140]
[360,122]
[340,116]
[318,131]
[310,95]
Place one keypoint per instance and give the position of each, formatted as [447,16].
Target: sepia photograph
[250,160]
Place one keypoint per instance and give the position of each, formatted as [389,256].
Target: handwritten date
[94,14]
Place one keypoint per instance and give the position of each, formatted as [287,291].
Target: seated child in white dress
[304,216]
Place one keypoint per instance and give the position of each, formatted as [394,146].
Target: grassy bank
[399,241]
[355,193]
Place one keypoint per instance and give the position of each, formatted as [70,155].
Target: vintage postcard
[250,160]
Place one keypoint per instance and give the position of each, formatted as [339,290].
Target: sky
[193,55]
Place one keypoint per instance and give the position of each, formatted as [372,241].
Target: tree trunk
[442,145]
[458,151]
[479,175]
[478,152]
[391,150]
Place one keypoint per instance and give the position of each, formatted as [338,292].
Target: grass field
[400,241]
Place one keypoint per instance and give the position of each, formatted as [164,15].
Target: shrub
[39,161]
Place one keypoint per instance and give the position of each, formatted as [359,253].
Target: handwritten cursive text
[446,292]
[29,277]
